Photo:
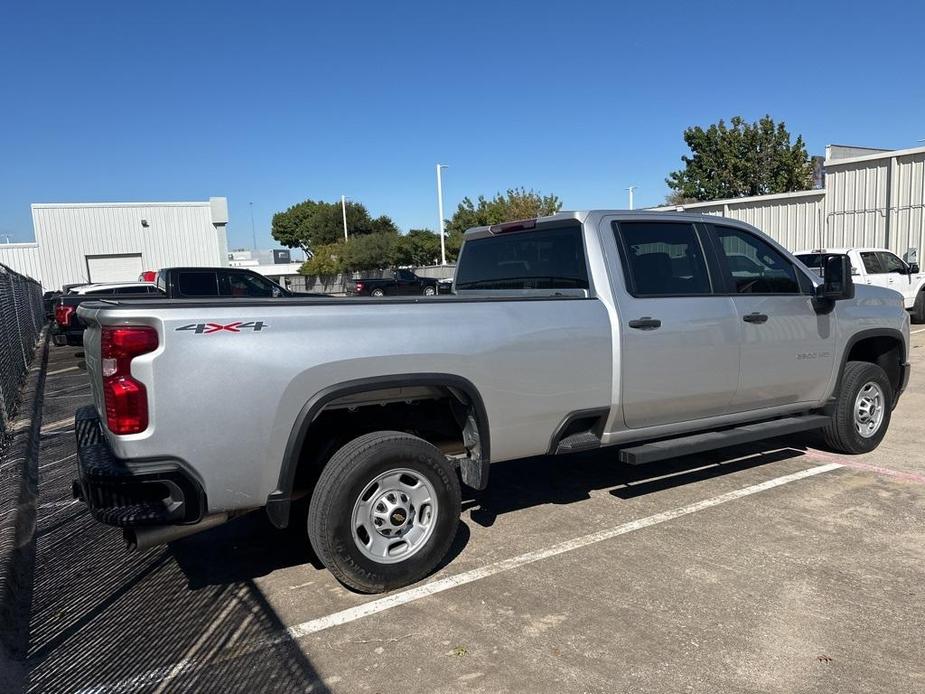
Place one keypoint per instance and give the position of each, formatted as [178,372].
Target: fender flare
[280,499]
[849,345]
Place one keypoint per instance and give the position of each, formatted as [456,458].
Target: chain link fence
[21,319]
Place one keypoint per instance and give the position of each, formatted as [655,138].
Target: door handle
[645,323]
[755,318]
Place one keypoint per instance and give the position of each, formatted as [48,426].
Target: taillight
[126,399]
[359,286]
[63,315]
[148,276]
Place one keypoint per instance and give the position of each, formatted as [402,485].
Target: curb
[18,494]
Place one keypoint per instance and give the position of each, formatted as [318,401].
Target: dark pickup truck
[396,283]
[170,283]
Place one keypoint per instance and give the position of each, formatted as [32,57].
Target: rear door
[787,345]
[679,352]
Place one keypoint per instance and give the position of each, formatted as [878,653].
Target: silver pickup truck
[657,334]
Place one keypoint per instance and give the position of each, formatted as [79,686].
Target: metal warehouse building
[871,197]
[115,242]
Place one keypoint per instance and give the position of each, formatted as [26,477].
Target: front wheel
[862,409]
[384,512]
[918,309]
[430,291]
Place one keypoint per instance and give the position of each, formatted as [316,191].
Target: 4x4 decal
[210,328]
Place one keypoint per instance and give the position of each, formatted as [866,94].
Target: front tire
[384,512]
[918,309]
[430,291]
[862,409]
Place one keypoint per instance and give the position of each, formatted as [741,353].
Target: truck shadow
[520,484]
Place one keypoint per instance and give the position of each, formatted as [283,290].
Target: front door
[787,351]
[898,276]
[679,356]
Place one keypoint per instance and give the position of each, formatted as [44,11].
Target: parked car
[567,333]
[881,268]
[67,328]
[171,283]
[399,282]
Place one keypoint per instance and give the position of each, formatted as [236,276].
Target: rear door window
[871,262]
[662,259]
[540,259]
[198,283]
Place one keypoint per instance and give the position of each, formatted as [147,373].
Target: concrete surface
[775,568]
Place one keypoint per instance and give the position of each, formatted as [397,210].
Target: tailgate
[91,348]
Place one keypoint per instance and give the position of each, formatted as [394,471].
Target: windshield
[543,259]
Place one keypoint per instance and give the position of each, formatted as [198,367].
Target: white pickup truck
[658,334]
[879,267]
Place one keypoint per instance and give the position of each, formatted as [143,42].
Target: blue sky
[277,102]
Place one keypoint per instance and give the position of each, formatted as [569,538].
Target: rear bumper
[120,495]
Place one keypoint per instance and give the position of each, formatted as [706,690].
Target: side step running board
[698,443]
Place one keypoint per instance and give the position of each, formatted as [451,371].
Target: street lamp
[253,228]
[343,209]
[440,213]
[630,191]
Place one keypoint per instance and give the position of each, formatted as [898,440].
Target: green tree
[312,223]
[741,159]
[326,261]
[417,247]
[516,203]
[369,251]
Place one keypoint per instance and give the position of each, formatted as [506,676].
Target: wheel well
[884,351]
[446,416]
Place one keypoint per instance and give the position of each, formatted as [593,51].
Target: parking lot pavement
[776,569]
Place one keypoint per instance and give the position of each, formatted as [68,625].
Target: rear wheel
[377,293]
[384,512]
[862,409]
[918,309]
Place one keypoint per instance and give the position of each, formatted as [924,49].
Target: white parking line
[58,423]
[61,371]
[404,597]
[920,330]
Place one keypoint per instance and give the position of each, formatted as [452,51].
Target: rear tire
[862,409]
[377,293]
[384,512]
[918,309]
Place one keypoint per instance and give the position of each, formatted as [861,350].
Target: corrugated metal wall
[176,234]
[872,200]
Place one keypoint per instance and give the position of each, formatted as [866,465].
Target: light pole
[440,213]
[630,192]
[253,228]
[343,209]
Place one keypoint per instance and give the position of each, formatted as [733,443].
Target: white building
[871,198]
[117,241]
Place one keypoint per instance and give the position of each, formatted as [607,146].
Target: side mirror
[913,269]
[837,283]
